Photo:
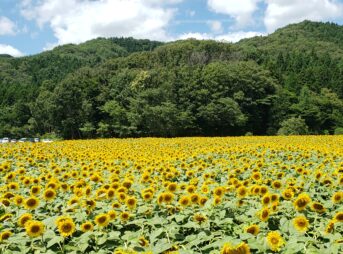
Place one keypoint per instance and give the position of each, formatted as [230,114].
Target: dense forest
[286,83]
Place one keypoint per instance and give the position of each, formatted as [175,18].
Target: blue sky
[32,26]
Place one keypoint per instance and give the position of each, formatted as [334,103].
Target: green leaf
[155,234]
[56,239]
[114,235]
[102,240]
[161,246]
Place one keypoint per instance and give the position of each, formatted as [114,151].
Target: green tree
[221,117]
[293,126]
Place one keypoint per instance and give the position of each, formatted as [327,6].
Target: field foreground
[183,195]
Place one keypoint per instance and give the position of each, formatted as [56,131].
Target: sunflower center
[301,203]
[35,229]
[66,227]
[318,207]
[274,241]
[31,202]
[5,236]
[102,219]
[24,220]
[301,223]
[49,194]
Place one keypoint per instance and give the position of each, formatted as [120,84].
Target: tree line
[286,83]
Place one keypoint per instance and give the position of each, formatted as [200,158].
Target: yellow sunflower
[87,226]
[34,228]
[102,220]
[131,202]
[24,218]
[18,200]
[184,201]
[5,201]
[242,192]
[253,229]
[172,187]
[5,217]
[217,200]
[65,226]
[49,194]
[90,204]
[5,235]
[300,223]
[147,196]
[112,214]
[124,216]
[330,227]
[264,214]
[337,197]
[31,203]
[276,184]
[302,201]
[202,201]
[143,242]
[110,193]
[168,197]
[288,194]
[266,199]
[338,217]
[219,191]
[205,189]
[121,196]
[317,207]
[199,218]
[275,241]
[35,190]
[116,205]
[241,248]
[195,198]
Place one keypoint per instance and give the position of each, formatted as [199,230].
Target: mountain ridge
[127,88]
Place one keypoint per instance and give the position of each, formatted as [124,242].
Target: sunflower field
[183,195]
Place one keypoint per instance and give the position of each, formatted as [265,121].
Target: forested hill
[288,82]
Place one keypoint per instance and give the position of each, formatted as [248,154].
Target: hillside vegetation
[124,87]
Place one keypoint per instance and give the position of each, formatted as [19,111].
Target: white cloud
[160,2]
[75,21]
[7,49]
[283,12]
[240,10]
[216,26]
[198,36]
[230,37]
[237,36]
[7,27]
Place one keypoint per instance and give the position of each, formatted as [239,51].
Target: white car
[5,140]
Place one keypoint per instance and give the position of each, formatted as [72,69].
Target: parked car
[36,140]
[6,140]
[22,140]
[46,140]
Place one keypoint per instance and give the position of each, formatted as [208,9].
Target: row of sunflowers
[182,195]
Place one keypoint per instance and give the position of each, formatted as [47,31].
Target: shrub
[293,126]
[339,131]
